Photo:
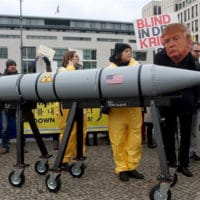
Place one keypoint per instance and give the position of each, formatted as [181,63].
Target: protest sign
[45,51]
[148,30]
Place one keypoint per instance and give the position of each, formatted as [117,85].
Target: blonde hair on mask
[177,27]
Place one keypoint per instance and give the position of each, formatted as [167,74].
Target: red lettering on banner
[144,43]
[140,23]
[150,42]
[153,21]
[166,19]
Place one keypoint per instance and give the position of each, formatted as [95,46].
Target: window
[188,13]
[196,10]
[58,56]
[176,7]
[89,59]
[192,12]
[140,55]
[89,54]
[192,26]
[28,52]
[89,65]
[28,66]
[132,41]
[109,40]
[3,52]
[157,10]
[196,38]
[57,22]
[41,37]
[28,60]
[117,26]
[196,25]
[77,38]
[9,36]
[185,15]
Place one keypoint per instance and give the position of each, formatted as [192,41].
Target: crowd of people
[126,125]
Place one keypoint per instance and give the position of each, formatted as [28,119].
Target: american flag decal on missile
[115,79]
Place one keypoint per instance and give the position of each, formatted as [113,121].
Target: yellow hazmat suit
[125,134]
[71,150]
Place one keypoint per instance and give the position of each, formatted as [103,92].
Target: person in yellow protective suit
[70,62]
[125,125]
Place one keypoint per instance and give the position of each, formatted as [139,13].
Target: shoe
[84,165]
[152,146]
[195,157]
[4,151]
[56,145]
[25,151]
[123,176]
[64,167]
[135,174]
[185,171]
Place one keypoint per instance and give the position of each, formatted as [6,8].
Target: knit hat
[119,47]
[10,62]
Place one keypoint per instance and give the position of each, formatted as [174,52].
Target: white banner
[148,30]
[45,51]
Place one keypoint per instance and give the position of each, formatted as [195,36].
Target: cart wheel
[53,183]
[76,170]
[16,179]
[156,195]
[41,167]
[175,179]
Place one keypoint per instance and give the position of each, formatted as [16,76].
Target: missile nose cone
[157,80]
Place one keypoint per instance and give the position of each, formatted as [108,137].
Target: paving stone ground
[98,182]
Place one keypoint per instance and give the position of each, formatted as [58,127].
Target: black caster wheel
[156,195]
[53,183]
[77,169]
[175,179]
[16,179]
[41,167]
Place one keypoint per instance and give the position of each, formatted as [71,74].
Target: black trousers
[149,131]
[169,130]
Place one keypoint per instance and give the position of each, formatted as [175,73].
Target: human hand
[71,62]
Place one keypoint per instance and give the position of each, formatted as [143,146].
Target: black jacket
[9,105]
[197,88]
[188,101]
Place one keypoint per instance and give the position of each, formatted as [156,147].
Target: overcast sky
[109,10]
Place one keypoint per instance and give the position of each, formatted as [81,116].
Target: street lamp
[21,36]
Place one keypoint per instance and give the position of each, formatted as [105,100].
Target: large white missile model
[95,85]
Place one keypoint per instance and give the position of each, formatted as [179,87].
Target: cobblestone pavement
[98,182]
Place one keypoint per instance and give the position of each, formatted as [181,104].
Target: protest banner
[45,51]
[47,122]
[95,125]
[148,30]
[45,118]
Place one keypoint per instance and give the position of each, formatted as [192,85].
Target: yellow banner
[95,125]
[45,118]
[47,123]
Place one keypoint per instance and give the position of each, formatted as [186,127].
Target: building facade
[95,39]
[187,11]
[168,6]
[152,8]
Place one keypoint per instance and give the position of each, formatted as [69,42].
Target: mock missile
[95,85]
